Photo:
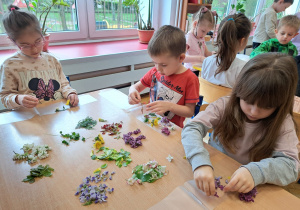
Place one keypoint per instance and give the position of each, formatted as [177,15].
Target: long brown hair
[232,29]
[269,80]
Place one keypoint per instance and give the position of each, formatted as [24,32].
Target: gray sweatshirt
[266,26]
[280,169]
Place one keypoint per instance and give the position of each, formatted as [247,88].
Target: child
[288,28]
[203,22]
[174,90]
[30,75]
[296,39]
[267,22]
[224,67]
[252,126]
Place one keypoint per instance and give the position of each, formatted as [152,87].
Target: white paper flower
[169,158]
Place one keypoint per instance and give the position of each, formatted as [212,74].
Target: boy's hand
[205,180]
[74,100]
[134,97]
[241,181]
[27,101]
[159,107]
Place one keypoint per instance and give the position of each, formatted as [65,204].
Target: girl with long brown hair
[254,126]
[224,67]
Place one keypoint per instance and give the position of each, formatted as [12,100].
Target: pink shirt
[194,47]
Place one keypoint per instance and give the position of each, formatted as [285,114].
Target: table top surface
[73,163]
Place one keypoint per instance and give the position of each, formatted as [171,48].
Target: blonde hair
[269,80]
[204,14]
[291,21]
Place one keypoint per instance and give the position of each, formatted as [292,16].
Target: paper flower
[169,158]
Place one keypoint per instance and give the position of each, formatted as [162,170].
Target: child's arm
[67,91]
[9,93]
[207,52]
[134,96]
[193,59]
[270,25]
[279,169]
[262,48]
[192,141]
[160,107]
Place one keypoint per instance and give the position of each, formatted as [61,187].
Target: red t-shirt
[177,88]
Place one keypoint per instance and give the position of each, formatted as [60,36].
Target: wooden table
[73,163]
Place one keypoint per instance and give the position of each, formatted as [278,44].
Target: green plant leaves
[122,158]
[40,171]
[87,123]
[104,166]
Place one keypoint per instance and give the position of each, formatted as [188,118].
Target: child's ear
[295,35]
[276,31]
[181,57]
[242,41]
[187,47]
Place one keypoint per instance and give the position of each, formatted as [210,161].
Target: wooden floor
[293,188]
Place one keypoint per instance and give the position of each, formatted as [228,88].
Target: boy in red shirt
[174,91]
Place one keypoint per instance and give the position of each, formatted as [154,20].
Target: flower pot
[145,36]
[46,44]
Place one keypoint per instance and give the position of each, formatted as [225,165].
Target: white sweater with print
[42,77]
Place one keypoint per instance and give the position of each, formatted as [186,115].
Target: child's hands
[159,107]
[27,101]
[205,180]
[73,97]
[241,181]
[134,97]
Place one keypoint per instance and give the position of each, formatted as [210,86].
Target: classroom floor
[293,188]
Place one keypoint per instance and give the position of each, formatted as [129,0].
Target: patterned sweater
[42,77]
[273,45]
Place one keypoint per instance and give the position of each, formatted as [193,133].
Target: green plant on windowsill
[240,8]
[142,25]
[44,8]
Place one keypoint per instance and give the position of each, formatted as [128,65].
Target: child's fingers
[212,187]
[231,185]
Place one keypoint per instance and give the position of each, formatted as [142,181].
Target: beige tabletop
[73,163]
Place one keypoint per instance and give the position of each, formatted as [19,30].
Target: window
[220,6]
[251,8]
[84,19]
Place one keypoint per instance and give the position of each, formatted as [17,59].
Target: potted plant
[240,8]
[34,6]
[145,29]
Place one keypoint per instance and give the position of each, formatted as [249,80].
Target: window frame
[105,33]
[87,29]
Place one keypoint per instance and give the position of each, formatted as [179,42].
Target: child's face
[167,64]
[285,33]
[30,43]
[255,113]
[202,29]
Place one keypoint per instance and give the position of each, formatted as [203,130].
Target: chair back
[297,120]
[212,92]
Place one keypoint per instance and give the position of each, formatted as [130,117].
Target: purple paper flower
[165,120]
[91,193]
[248,197]
[165,130]
[137,131]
